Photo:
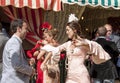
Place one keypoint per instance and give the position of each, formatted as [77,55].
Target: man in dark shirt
[109,46]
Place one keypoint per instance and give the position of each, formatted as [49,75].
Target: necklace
[72,51]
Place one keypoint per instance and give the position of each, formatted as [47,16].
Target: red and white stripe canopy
[34,4]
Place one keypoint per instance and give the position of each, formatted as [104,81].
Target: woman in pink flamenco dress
[77,50]
[76,70]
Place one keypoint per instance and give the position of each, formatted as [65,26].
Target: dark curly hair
[74,25]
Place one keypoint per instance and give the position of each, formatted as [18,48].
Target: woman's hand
[78,43]
[43,66]
[82,44]
[36,53]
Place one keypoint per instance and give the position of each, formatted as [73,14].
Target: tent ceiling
[34,4]
[56,4]
[103,3]
[3,16]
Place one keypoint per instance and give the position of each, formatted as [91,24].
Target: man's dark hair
[15,24]
[0,27]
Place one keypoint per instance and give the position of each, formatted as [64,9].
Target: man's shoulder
[13,43]
[111,43]
[12,40]
[2,35]
[101,40]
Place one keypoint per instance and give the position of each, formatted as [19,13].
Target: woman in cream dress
[49,36]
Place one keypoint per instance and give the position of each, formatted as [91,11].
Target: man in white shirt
[15,63]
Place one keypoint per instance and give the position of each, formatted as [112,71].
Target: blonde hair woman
[50,64]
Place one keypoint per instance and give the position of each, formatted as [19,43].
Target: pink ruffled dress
[77,72]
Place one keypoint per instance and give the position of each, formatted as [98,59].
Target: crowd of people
[43,62]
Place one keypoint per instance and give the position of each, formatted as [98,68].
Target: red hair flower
[46,25]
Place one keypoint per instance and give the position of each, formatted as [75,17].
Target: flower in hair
[46,25]
[72,18]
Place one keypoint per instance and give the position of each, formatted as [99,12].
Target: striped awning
[104,3]
[34,4]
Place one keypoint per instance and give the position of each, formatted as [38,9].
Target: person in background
[111,37]
[3,40]
[16,68]
[111,48]
[4,31]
